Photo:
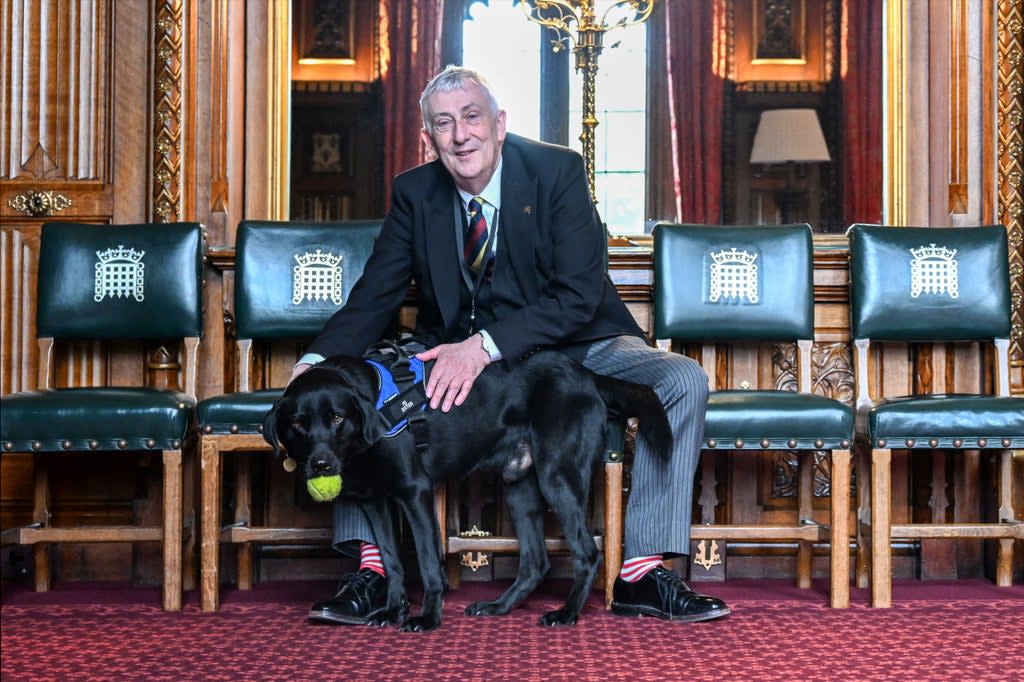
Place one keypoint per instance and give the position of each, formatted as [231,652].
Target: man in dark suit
[508,255]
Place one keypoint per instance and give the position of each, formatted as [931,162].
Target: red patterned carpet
[969,630]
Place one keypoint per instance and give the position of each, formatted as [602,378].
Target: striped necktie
[474,248]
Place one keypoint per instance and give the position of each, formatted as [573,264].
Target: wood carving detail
[831,376]
[167,94]
[1010,117]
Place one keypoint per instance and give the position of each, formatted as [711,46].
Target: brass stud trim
[614,456]
[36,445]
[8,445]
[94,444]
[712,443]
[765,443]
[881,442]
[182,406]
[66,444]
[957,442]
[933,442]
[207,429]
[233,428]
[122,443]
[792,442]
[259,429]
[175,444]
[1006,442]
[150,443]
[910,442]
[738,443]
[844,443]
[982,443]
[819,444]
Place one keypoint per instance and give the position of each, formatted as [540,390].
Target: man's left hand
[456,368]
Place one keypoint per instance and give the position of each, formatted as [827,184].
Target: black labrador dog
[541,424]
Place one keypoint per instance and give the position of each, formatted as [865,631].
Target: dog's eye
[337,418]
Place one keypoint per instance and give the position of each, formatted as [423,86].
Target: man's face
[466,135]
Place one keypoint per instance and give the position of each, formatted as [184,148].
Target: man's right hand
[299,369]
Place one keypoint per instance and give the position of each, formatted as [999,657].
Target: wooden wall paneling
[55,132]
[959,28]
[19,246]
[131,132]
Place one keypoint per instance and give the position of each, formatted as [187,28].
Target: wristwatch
[488,345]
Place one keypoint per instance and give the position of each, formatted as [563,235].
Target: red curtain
[409,35]
[861,76]
[695,69]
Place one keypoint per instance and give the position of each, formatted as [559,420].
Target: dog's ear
[364,397]
[374,425]
[270,428]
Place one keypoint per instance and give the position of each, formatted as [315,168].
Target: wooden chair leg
[209,541]
[243,517]
[863,539]
[805,550]
[41,519]
[881,547]
[1004,557]
[190,520]
[839,543]
[172,532]
[612,527]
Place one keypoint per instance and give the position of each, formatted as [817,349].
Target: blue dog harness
[399,395]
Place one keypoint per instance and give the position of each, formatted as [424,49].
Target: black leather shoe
[360,599]
[663,594]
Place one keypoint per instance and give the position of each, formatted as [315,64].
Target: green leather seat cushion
[948,416]
[72,418]
[244,411]
[779,416]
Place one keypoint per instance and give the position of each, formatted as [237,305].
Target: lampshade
[789,135]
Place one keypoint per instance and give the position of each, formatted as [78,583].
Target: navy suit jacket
[550,240]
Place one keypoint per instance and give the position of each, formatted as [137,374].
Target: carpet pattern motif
[267,637]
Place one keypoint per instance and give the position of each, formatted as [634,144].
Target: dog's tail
[625,399]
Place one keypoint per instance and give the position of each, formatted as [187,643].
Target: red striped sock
[369,557]
[637,567]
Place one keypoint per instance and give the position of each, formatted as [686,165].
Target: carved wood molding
[1010,163]
[168,96]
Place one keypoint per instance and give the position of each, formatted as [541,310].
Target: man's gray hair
[453,78]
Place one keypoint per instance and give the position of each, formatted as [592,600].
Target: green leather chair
[111,283]
[919,284]
[753,285]
[290,277]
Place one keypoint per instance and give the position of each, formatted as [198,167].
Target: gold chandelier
[575,22]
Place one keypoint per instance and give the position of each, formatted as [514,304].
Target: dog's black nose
[320,466]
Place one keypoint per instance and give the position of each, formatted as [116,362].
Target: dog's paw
[559,617]
[486,608]
[421,624]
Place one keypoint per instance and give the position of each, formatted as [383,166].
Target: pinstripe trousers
[661,496]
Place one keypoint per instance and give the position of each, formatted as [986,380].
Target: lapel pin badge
[527,209]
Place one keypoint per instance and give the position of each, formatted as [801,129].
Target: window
[502,44]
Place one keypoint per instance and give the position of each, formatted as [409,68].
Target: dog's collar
[397,398]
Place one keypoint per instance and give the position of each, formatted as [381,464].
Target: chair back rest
[290,277]
[120,281]
[733,283]
[929,284]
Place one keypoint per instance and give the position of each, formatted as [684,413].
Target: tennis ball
[324,488]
